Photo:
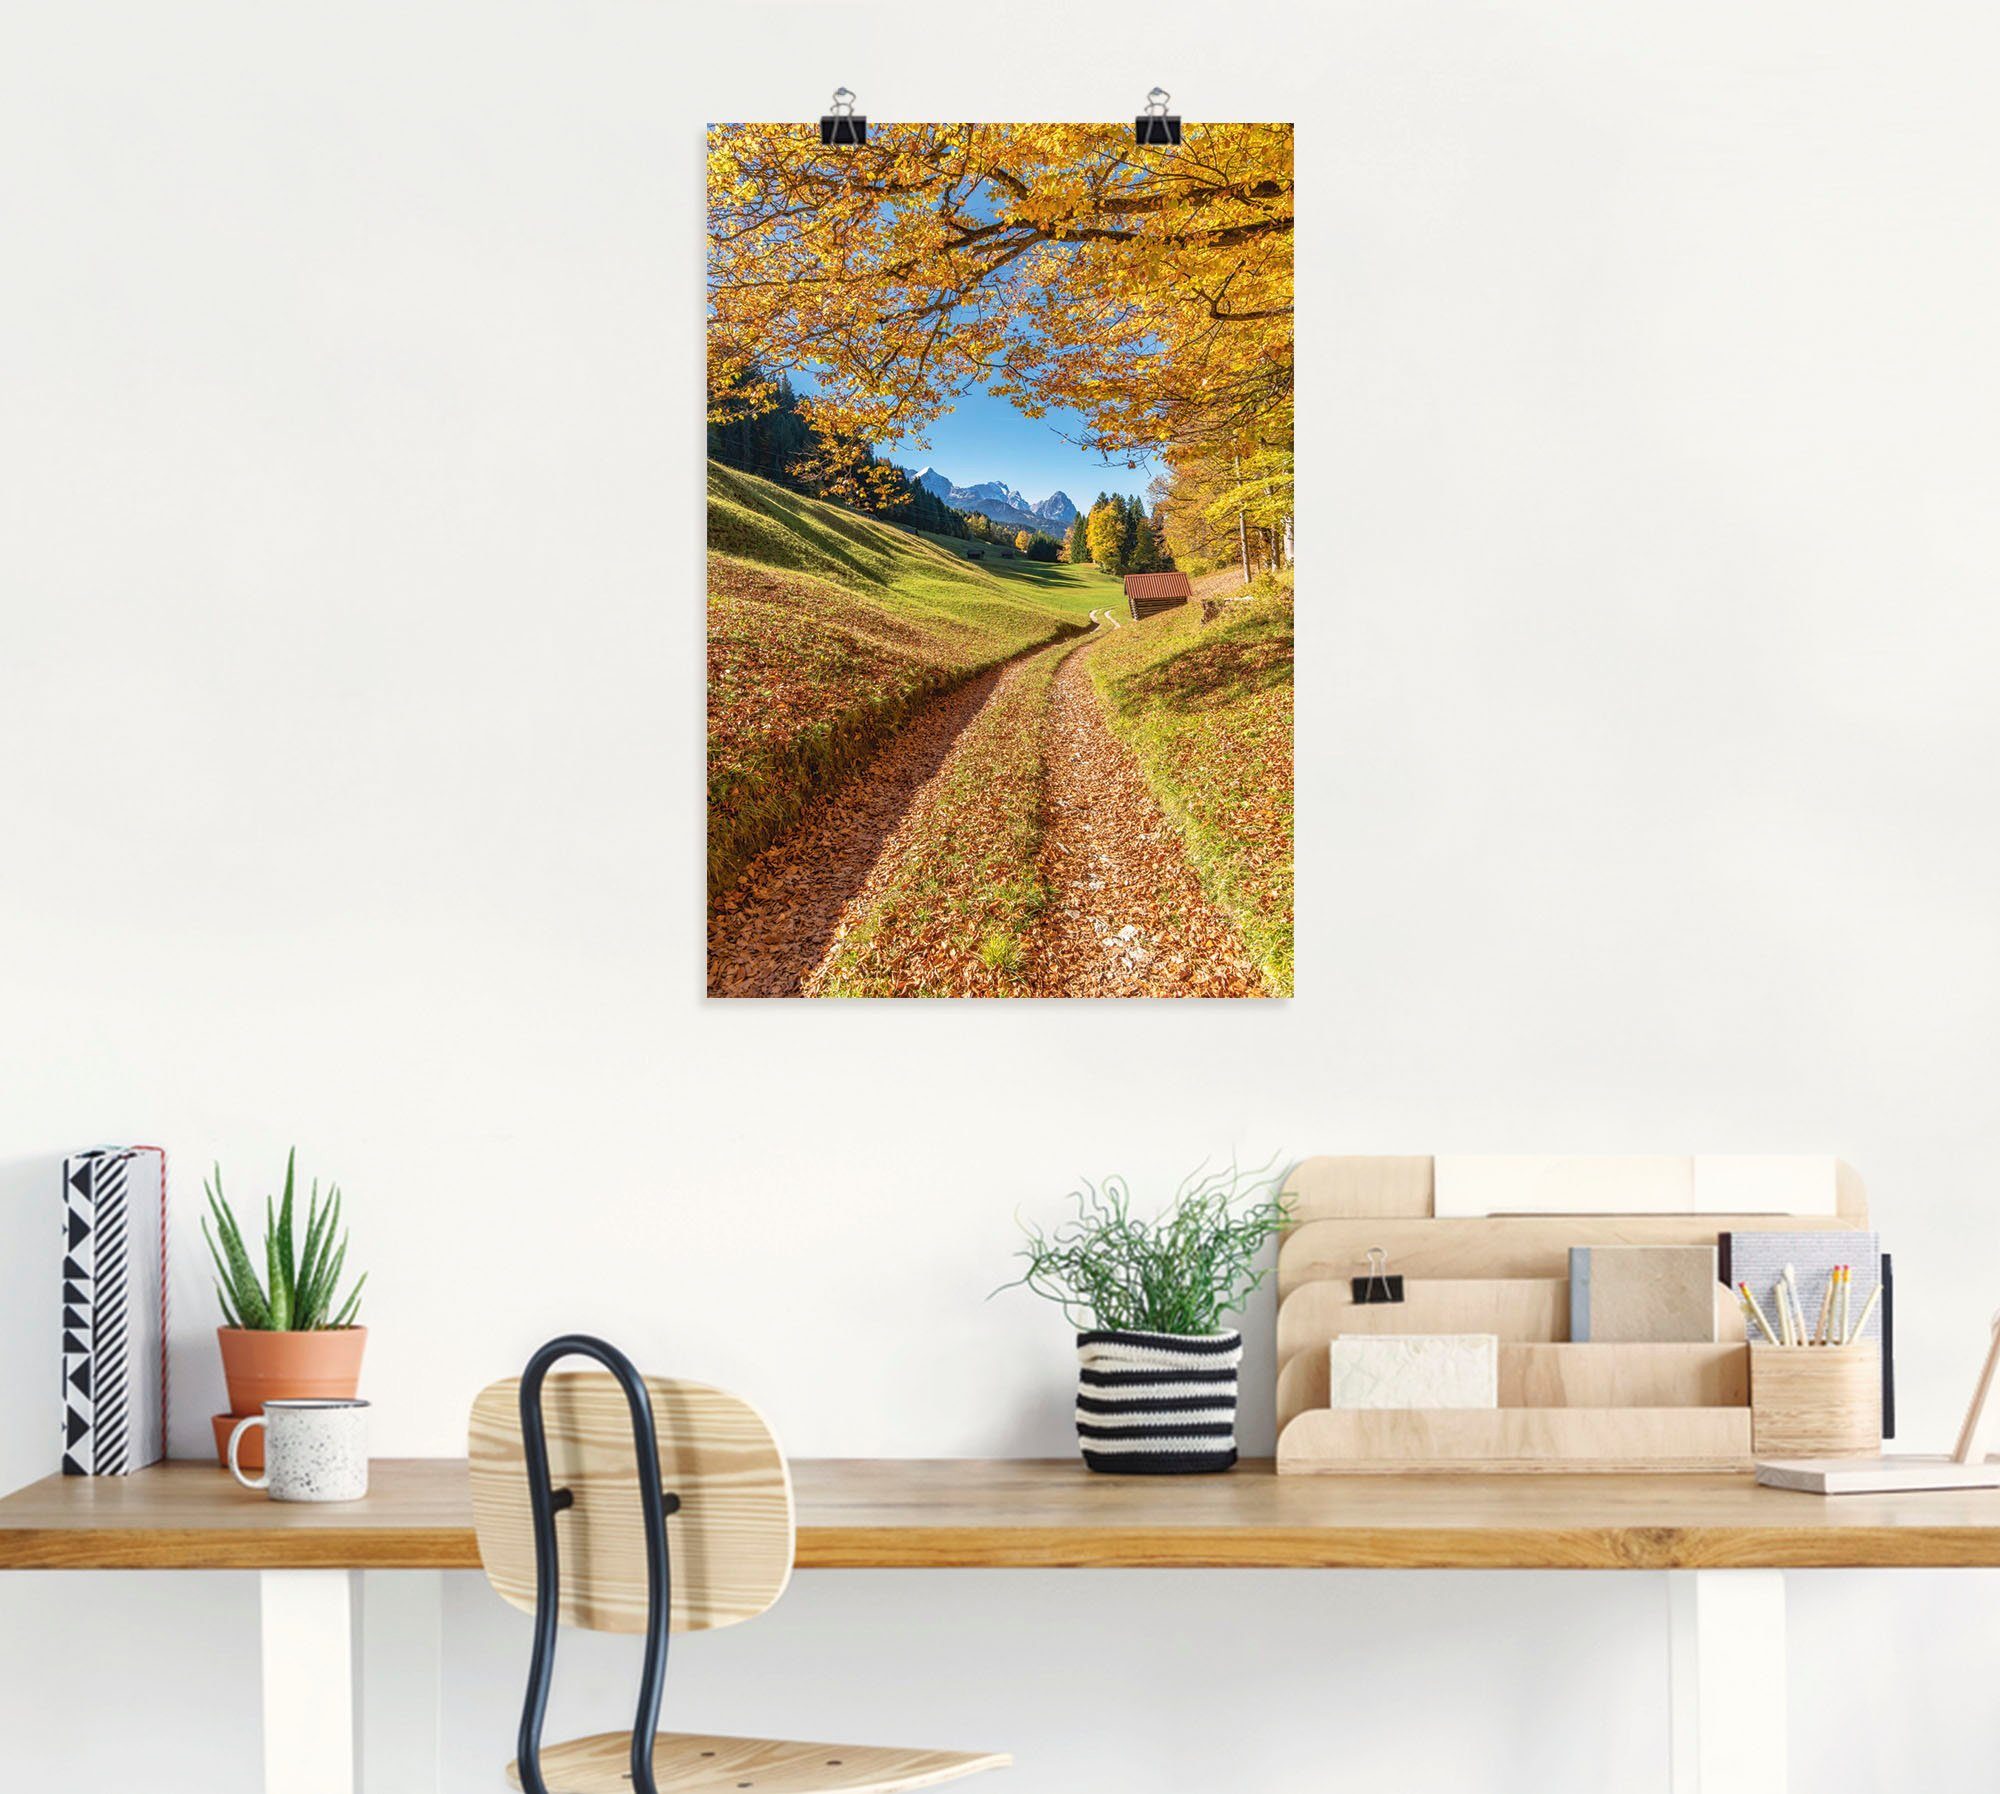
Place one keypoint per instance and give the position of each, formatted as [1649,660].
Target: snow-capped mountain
[1001,502]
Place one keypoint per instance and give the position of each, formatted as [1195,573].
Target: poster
[1000,571]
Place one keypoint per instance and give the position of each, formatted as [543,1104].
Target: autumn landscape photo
[1000,570]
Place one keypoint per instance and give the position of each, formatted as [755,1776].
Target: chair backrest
[730,1541]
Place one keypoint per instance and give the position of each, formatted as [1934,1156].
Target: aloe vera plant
[299,1288]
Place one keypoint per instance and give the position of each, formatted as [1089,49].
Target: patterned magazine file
[1757,1258]
[114,1310]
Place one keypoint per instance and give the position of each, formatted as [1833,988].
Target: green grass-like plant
[1180,1272]
[298,1291]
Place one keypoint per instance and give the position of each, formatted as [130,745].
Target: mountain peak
[997,501]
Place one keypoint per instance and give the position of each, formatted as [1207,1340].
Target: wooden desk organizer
[1563,1405]
[1816,1401]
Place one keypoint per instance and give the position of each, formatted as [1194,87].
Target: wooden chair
[591,1514]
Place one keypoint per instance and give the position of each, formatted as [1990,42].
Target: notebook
[1759,1258]
[1620,1294]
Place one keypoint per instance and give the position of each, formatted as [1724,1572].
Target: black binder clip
[1156,127]
[843,127]
[1378,1285]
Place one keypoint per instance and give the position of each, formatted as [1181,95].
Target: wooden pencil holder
[1816,1401]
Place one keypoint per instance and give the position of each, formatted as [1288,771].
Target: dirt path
[1126,916]
[768,934]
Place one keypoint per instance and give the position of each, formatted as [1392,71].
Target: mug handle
[236,1469]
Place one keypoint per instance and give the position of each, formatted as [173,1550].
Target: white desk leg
[308,1633]
[402,1654]
[1728,1664]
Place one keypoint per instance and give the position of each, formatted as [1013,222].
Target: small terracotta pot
[264,1367]
[250,1454]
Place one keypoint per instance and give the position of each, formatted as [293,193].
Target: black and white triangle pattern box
[114,1310]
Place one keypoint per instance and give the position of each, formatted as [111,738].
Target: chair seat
[684,1763]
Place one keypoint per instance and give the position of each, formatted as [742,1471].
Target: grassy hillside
[825,630]
[1077,590]
[1208,711]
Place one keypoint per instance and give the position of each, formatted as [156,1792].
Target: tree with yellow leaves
[1107,535]
[1147,291]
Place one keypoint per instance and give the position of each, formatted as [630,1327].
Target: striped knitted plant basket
[1157,1404]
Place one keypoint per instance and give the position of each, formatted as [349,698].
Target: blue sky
[984,438]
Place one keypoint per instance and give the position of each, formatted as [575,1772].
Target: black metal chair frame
[655,1504]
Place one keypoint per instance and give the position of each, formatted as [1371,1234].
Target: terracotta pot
[267,1367]
[250,1454]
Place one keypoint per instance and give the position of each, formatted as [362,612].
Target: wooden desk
[370,1572]
[970,1513]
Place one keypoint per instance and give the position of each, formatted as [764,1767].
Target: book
[114,1310]
[1637,1294]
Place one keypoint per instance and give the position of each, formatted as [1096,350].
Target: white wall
[351,723]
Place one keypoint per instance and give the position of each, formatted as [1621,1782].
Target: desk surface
[936,1513]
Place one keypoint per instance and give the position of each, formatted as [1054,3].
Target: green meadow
[1076,591]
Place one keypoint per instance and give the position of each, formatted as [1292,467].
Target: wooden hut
[1148,593]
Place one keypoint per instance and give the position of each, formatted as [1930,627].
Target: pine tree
[1145,555]
[1131,522]
[1078,541]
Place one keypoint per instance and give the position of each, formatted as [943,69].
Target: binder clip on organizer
[1378,1285]
[1156,127]
[843,127]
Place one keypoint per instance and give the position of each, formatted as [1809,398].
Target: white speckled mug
[313,1450]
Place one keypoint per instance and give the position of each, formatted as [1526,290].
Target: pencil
[1861,1326]
[1755,1313]
[1846,1301]
[1825,1312]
